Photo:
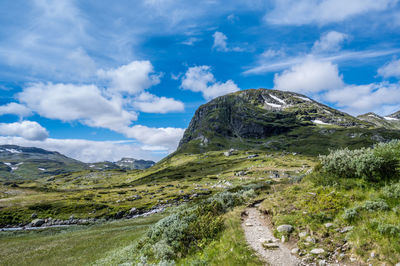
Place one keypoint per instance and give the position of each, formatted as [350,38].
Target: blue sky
[98,80]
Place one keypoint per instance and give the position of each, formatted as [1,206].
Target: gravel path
[257,232]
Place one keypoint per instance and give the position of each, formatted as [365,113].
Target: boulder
[285,228]
[119,215]
[34,215]
[317,251]
[37,222]
[133,211]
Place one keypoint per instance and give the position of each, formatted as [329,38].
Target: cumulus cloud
[91,151]
[391,69]
[358,99]
[200,79]
[132,78]
[168,137]
[330,41]
[311,76]
[16,109]
[295,12]
[220,41]
[28,130]
[84,103]
[150,103]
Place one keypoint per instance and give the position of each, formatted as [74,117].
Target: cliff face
[259,118]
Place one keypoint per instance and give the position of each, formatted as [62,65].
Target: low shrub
[189,228]
[392,191]
[372,164]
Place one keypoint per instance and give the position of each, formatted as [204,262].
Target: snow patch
[42,169]
[13,151]
[277,99]
[303,98]
[375,116]
[319,122]
[391,118]
[274,105]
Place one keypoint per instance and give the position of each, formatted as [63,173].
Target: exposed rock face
[271,119]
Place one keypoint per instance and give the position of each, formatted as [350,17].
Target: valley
[318,183]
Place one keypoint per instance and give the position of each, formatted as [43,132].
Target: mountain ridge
[276,120]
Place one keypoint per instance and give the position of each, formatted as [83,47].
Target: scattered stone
[119,215]
[346,229]
[37,222]
[71,217]
[312,194]
[310,239]
[322,263]
[372,255]
[353,259]
[34,215]
[328,225]
[283,239]
[270,245]
[249,224]
[397,264]
[317,251]
[285,228]
[303,234]
[295,251]
[133,211]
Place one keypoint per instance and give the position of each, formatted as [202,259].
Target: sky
[101,80]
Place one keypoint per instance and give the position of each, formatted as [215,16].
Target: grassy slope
[309,205]
[73,246]
[229,249]
[102,194]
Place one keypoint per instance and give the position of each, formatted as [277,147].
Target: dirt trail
[256,232]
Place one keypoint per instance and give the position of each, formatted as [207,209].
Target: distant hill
[130,163]
[32,163]
[389,122]
[277,120]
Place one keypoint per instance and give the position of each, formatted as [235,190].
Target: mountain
[388,122]
[276,120]
[31,163]
[131,164]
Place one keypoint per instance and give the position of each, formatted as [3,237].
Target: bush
[350,214]
[379,205]
[389,230]
[372,164]
[392,191]
[189,228]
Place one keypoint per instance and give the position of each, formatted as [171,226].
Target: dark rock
[37,222]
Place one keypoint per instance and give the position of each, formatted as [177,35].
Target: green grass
[78,245]
[229,249]
[95,194]
[309,205]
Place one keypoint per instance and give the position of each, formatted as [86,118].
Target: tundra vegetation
[352,214]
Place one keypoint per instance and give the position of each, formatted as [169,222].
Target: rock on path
[256,232]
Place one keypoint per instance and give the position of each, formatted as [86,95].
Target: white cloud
[132,78]
[300,12]
[150,103]
[220,41]
[330,41]
[168,137]
[29,130]
[358,99]
[200,79]
[311,76]
[191,41]
[16,109]
[85,103]
[221,45]
[91,151]
[265,64]
[391,69]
